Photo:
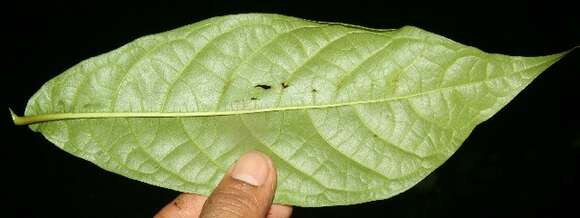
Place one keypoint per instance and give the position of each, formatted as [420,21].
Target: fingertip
[279,211]
[246,190]
[184,205]
[252,168]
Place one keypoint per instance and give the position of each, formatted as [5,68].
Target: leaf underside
[348,114]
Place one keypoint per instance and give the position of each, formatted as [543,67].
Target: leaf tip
[15,118]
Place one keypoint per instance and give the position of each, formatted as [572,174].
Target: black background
[523,162]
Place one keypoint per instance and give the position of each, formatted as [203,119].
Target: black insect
[284,85]
[263,86]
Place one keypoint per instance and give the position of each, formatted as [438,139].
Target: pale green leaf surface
[353,114]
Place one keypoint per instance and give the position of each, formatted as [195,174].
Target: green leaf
[348,114]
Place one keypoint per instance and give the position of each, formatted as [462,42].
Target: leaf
[348,114]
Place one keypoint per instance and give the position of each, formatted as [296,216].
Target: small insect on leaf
[284,85]
[263,86]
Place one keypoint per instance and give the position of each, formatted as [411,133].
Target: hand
[246,190]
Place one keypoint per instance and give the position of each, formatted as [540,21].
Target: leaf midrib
[25,120]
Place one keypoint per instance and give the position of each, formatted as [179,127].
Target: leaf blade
[379,110]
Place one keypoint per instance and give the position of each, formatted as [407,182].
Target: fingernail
[252,168]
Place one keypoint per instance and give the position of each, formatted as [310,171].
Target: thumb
[245,191]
